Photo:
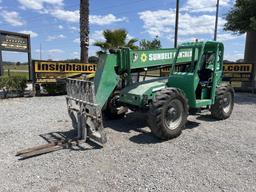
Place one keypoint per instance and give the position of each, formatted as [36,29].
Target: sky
[54,24]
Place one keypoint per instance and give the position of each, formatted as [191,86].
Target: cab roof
[201,44]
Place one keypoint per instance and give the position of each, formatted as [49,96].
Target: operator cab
[199,73]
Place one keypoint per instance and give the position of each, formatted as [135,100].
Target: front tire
[168,113]
[114,110]
[224,102]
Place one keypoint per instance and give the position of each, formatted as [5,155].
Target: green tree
[72,60]
[147,44]
[93,59]
[242,19]
[115,39]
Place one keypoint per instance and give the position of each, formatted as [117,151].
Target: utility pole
[84,30]
[177,23]
[216,20]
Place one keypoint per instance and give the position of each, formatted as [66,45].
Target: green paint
[137,93]
[186,62]
[105,79]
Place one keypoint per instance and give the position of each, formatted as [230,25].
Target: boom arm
[124,62]
[128,60]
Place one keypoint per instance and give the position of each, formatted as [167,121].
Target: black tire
[113,109]
[37,90]
[168,113]
[224,102]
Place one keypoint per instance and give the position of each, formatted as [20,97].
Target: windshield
[186,59]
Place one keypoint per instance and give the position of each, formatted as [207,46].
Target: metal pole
[1,63]
[177,23]
[29,58]
[1,59]
[216,20]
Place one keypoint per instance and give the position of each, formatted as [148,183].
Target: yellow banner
[238,68]
[60,67]
[229,68]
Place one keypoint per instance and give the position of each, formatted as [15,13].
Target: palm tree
[84,30]
[115,39]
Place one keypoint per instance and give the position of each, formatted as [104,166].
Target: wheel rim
[173,114]
[227,102]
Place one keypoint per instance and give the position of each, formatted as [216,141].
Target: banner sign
[13,42]
[52,71]
[232,72]
[238,72]
[17,42]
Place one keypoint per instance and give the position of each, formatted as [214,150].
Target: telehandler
[194,82]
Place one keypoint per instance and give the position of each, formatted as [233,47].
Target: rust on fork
[47,148]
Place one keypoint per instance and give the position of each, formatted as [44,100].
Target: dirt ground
[209,155]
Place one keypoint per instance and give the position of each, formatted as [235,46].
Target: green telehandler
[194,83]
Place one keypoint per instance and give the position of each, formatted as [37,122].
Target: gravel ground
[209,155]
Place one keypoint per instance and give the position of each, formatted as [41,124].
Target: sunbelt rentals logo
[143,57]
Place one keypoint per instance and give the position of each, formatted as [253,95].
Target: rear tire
[168,113]
[224,102]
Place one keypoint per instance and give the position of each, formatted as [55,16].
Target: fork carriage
[85,114]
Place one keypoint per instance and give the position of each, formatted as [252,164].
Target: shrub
[13,84]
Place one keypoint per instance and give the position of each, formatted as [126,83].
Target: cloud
[70,16]
[50,54]
[39,4]
[76,40]
[38,51]
[55,37]
[105,19]
[13,18]
[226,37]
[94,37]
[189,39]
[204,5]
[129,37]
[74,16]
[161,23]
[60,27]
[55,51]
[234,56]
[31,33]
[74,28]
